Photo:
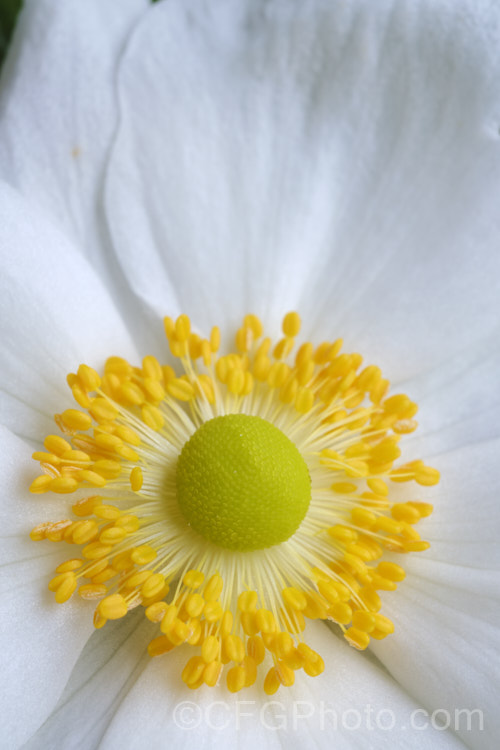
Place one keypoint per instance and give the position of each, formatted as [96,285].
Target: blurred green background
[8,14]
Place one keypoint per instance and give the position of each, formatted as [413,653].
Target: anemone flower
[219,160]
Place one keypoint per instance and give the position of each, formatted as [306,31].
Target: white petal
[58,107]
[40,640]
[337,157]
[445,648]
[140,704]
[55,314]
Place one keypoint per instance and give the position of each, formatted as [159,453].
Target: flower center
[242,484]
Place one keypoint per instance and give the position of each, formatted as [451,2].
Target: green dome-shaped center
[242,484]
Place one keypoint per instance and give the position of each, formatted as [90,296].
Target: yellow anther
[49,458]
[210,649]
[247,601]
[288,391]
[305,372]
[215,339]
[132,394]
[55,582]
[63,485]
[391,571]
[316,607]
[329,591]
[128,435]
[384,624]
[378,486]
[254,323]
[266,621]
[40,531]
[283,348]
[357,638]
[103,410]
[244,339]
[56,531]
[226,623]
[117,366]
[405,512]
[272,682]
[213,588]
[236,679]
[137,579]
[40,484]
[169,618]
[152,368]
[304,400]
[363,517]
[182,328]
[385,451]
[107,512]
[92,591]
[129,523]
[248,384]
[340,612]
[213,611]
[66,588]
[388,524]
[92,477]
[283,644]
[153,585]
[261,367]
[85,532]
[235,381]
[194,605]
[233,647]
[427,476]
[211,673]
[152,417]
[69,565]
[136,479]
[193,579]
[277,375]
[113,607]
[107,468]
[89,378]
[105,575]
[194,346]
[169,327]
[370,598]
[112,536]
[196,631]
[143,555]
[249,623]
[96,550]
[344,488]
[193,671]
[160,645]
[179,632]
[56,444]
[416,546]
[424,509]
[154,389]
[342,533]
[76,420]
[397,404]
[155,612]
[363,620]
[291,324]
[180,389]
[285,675]
[76,458]
[294,598]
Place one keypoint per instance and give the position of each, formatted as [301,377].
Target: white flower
[220,158]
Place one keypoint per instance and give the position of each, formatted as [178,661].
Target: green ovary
[242,484]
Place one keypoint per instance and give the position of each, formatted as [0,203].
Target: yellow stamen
[237,607]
